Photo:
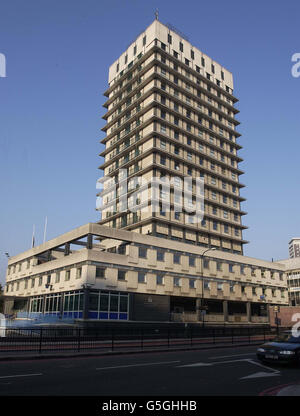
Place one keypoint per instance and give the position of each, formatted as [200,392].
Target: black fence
[46,340]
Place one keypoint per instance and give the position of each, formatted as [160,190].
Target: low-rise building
[95,272]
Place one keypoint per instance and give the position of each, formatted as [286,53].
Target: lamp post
[202,292]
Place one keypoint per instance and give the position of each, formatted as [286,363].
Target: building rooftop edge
[134,237]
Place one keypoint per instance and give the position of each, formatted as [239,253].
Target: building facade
[294,248]
[171,115]
[100,273]
[293,279]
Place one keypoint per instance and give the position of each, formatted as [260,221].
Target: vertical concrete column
[67,249]
[248,309]
[86,293]
[198,309]
[225,310]
[89,245]
[62,301]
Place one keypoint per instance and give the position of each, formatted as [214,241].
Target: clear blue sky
[58,54]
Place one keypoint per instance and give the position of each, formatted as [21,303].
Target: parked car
[283,349]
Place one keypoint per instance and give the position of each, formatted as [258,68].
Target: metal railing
[104,339]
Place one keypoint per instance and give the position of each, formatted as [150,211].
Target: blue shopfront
[80,304]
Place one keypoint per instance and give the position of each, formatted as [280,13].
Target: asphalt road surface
[224,371]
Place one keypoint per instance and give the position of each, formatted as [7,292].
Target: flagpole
[45,229]
[33,237]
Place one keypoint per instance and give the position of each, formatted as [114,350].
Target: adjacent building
[294,248]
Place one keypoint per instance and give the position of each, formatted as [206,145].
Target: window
[100,272]
[206,284]
[226,229]
[134,50]
[177,216]
[160,255]
[219,266]
[159,279]
[67,275]
[212,68]
[141,277]
[162,160]
[175,54]
[163,46]
[163,128]
[202,61]
[142,252]
[219,286]
[206,263]
[192,283]
[163,144]
[169,38]
[144,40]
[192,261]
[176,258]
[215,225]
[187,62]
[230,268]
[78,273]
[181,46]
[57,277]
[121,274]
[176,281]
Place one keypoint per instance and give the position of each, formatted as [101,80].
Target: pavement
[231,371]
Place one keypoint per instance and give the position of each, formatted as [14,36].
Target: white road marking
[22,375]
[138,365]
[196,365]
[260,374]
[228,356]
[271,372]
[214,363]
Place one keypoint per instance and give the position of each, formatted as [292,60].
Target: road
[222,371]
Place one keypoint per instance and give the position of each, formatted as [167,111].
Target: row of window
[47,280]
[18,267]
[197,68]
[192,283]
[192,102]
[160,256]
[181,167]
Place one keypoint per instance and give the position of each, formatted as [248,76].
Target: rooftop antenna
[156,14]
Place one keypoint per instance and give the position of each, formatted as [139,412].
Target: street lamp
[202,293]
